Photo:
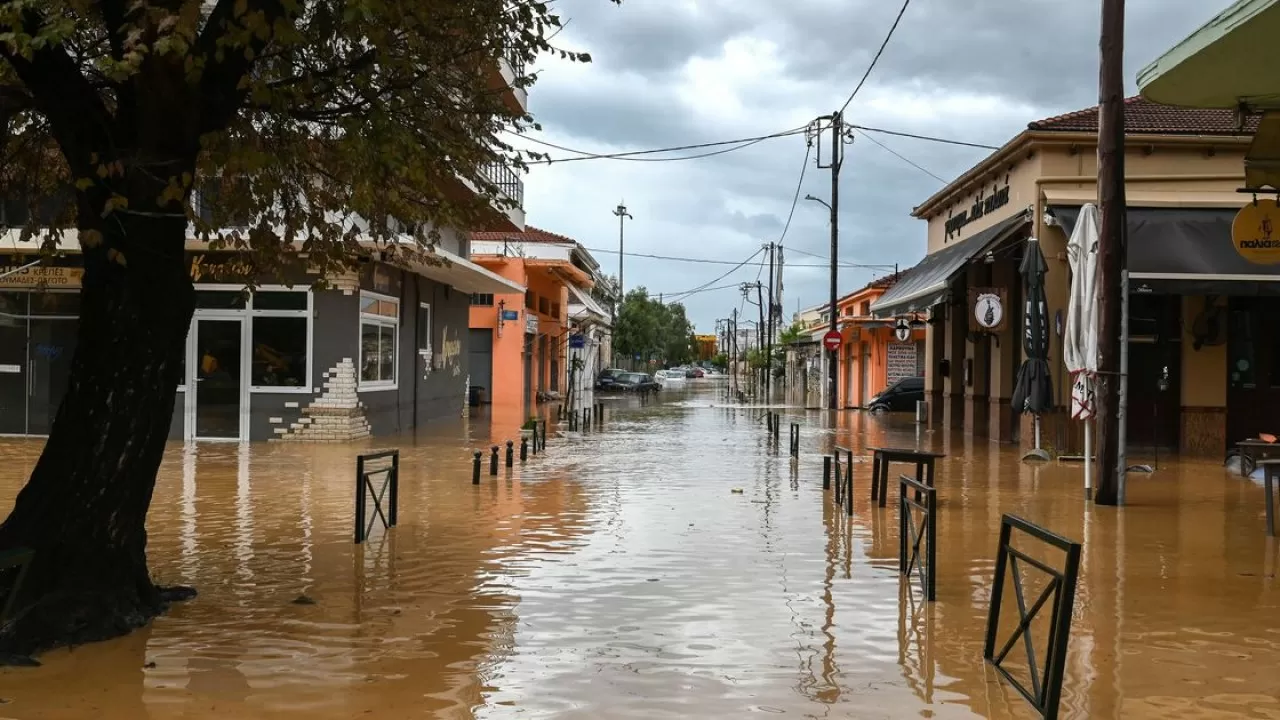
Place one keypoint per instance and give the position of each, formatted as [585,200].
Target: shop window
[482,299]
[424,327]
[379,336]
[220,300]
[279,351]
[279,300]
[64,304]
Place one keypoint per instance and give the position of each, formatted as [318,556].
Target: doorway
[1253,367]
[37,339]
[864,379]
[1153,416]
[217,394]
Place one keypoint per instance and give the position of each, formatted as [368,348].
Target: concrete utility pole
[768,349]
[1112,244]
[837,160]
[623,215]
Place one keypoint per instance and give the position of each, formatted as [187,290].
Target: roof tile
[1142,116]
[530,234]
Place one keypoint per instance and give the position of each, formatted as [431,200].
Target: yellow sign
[1255,232]
[41,276]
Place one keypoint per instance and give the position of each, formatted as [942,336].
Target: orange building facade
[520,342]
[871,356]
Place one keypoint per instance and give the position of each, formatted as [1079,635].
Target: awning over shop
[1229,61]
[578,296]
[463,274]
[1186,251]
[925,285]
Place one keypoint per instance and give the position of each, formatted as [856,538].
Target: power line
[902,157]
[731,271]
[929,138]
[824,257]
[795,200]
[879,52]
[682,296]
[632,155]
[711,261]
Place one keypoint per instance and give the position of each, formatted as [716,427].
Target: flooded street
[620,575]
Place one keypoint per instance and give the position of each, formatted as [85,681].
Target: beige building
[1187,282]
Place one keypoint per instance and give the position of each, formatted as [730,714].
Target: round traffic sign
[831,340]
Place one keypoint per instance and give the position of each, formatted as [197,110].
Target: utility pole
[768,351]
[838,139]
[733,344]
[1112,243]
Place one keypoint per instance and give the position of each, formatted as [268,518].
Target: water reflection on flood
[619,576]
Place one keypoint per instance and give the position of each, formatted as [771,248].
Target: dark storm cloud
[677,72]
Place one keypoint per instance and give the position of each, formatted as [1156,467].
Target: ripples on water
[620,576]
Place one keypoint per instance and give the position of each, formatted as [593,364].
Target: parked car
[693,372]
[608,378]
[901,396]
[636,382]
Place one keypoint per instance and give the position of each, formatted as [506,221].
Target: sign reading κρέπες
[41,276]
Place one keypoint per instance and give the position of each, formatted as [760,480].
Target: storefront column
[935,353]
[1004,357]
[956,328]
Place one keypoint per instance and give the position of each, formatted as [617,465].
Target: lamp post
[623,216]
[833,356]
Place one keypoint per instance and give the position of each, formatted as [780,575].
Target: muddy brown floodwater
[620,576]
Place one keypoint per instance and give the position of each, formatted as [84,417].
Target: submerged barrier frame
[1046,680]
[795,440]
[844,480]
[911,535]
[389,490]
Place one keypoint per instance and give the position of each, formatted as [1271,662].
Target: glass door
[218,383]
[13,364]
[49,352]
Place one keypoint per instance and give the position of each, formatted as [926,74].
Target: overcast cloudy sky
[679,72]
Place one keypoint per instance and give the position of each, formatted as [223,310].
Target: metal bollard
[493,461]
[475,469]
[586,418]
[511,453]
[826,472]
[544,436]
[524,449]
[795,440]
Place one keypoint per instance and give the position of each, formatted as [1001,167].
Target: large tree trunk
[84,509]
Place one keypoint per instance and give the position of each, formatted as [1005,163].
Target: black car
[636,382]
[607,379]
[901,396]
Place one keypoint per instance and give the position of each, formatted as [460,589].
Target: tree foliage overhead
[653,330]
[292,114]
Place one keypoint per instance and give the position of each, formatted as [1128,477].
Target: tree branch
[226,64]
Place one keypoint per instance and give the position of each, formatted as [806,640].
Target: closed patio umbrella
[1034,391]
[1080,350]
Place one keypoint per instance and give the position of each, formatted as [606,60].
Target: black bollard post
[475,469]
[826,472]
[586,419]
[534,443]
[524,449]
[493,461]
[795,440]
[544,436]
[511,453]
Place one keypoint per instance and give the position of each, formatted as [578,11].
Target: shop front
[1189,287]
[378,352]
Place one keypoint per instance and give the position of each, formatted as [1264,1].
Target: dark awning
[1186,251]
[923,286]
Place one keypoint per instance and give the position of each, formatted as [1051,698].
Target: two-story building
[872,356]
[520,341]
[1198,311]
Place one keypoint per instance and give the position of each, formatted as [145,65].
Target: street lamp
[623,216]
[834,355]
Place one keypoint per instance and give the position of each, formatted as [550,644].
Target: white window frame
[393,323]
[247,340]
[425,343]
[309,314]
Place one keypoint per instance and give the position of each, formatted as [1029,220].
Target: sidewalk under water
[619,575]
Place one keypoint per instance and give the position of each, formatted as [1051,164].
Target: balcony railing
[507,180]
[516,64]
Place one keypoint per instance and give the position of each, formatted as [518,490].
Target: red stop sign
[831,340]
